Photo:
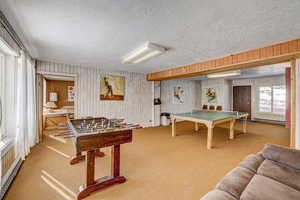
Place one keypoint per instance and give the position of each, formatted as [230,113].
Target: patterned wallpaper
[191,95]
[223,88]
[136,108]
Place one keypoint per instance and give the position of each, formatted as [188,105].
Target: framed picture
[71,93]
[211,95]
[178,95]
[112,87]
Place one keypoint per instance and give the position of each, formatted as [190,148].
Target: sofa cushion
[290,157]
[281,173]
[235,181]
[218,194]
[264,188]
[252,162]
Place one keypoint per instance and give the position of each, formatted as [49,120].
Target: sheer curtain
[26,132]
[11,66]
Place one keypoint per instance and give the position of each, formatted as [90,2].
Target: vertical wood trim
[153,107]
[288,97]
[293,103]
[39,96]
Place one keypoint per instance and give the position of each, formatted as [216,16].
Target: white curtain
[26,133]
[11,64]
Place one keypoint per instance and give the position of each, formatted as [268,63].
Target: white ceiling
[100,32]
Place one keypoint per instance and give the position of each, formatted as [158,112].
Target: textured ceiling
[100,32]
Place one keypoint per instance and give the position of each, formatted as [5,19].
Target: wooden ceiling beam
[271,54]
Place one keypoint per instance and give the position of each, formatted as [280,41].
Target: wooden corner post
[293,103]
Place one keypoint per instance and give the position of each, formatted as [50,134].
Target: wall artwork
[211,95]
[178,95]
[112,87]
[71,93]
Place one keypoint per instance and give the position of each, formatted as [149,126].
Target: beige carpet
[156,165]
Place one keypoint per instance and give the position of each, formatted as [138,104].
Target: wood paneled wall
[276,53]
[61,88]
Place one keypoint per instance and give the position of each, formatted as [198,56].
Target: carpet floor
[156,165]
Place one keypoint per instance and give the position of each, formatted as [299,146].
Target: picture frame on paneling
[211,95]
[178,95]
[112,87]
[71,93]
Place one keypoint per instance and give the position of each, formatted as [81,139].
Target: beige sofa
[272,174]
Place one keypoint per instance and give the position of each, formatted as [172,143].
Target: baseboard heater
[6,185]
[10,165]
[269,121]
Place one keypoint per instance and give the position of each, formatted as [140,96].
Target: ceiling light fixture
[145,52]
[224,74]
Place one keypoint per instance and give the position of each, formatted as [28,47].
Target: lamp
[51,105]
[53,96]
[52,99]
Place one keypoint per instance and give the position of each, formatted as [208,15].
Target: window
[8,79]
[2,90]
[279,100]
[272,99]
[265,99]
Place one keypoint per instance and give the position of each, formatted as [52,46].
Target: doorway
[242,99]
[56,99]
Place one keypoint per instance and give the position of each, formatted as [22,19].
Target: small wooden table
[210,119]
[90,140]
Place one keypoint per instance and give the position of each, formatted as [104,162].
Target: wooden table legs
[210,126]
[231,135]
[91,184]
[210,132]
[80,157]
[196,126]
[245,125]
[173,127]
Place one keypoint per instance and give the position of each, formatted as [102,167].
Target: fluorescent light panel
[224,74]
[145,52]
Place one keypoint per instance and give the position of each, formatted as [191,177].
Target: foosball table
[90,135]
